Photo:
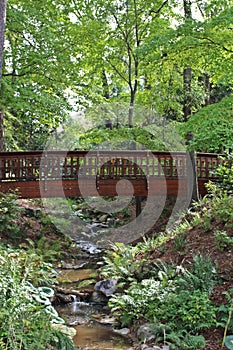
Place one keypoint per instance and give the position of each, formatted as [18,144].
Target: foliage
[121,263]
[167,295]
[171,294]
[212,127]
[220,208]
[215,208]
[177,339]
[31,266]
[195,311]
[35,73]
[47,251]
[222,240]
[128,52]
[157,302]
[25,323]
[225,173]
[200,275]
[174,299]
[153,137]
[9,213]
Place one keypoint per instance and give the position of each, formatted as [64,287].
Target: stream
[92,334]
[89,316]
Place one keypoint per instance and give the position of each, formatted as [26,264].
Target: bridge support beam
[138,205]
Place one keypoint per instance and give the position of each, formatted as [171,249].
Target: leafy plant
[161,301]
[212,127]
[141,299]
[220,205]
[48,251]
[195,312]
[225,173]
[200,276]
[121,263]
[180,242]
[25,322]
[9,213]
[224,313]
[176,339]
[222,240]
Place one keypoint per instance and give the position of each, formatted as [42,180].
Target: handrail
[58,164]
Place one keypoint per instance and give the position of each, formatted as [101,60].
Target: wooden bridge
[38,174]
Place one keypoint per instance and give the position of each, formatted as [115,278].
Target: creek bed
[91,319]
[97,337]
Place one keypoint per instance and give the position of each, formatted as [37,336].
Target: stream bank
[78,303]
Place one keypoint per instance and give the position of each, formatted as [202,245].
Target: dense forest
[134,63]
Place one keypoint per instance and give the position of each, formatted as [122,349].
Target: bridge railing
[39,165]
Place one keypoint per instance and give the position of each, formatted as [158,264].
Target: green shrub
[157,302]
[47,251]
[212,127]
[194,311]
[200,276]
[26,264]
[141,300]
[121,263]
[9,213]
[181,340]
[222,240]
[25,323]
[225,173]
[219,207]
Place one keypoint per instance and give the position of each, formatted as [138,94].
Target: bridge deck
[78,173]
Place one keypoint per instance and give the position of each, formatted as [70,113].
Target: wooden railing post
[192,182]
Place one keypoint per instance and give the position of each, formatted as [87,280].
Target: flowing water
[90,333]
[91,319]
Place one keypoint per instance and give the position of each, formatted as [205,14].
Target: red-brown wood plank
[106,187]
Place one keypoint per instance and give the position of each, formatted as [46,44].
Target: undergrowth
[27,318]
[171,298]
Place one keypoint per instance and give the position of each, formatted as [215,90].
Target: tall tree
[37,72]
[187,73]
[199,43]
[125,26]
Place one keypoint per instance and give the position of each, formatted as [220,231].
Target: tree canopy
[68,55]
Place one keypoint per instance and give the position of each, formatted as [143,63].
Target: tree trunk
[131,115]
[105,85]
[133,91]
[187,9]
[192,180]
[207,89]
[187,73]
[2,31]
[187,103]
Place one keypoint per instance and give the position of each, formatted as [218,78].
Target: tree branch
[217,44]
[117,71]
